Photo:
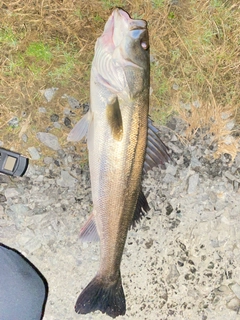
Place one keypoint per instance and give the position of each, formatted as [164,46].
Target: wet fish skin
[117,127]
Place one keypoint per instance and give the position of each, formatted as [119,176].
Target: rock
[66,180]
[11,193]
[235,287]
[49,93]
[196,104]
[175,86]
[48,160]
[74,103]
[173,274]
[234,304]
[195,163]
[49,140]
[168,178]
[24,138]
[57,125]
[231,177]
[54,117]
[14,122]
[174,148]
[172,170]
[42,110]
[67,122]
[230,125]
[19,210]
[3,198]
[193,183]
[34,153]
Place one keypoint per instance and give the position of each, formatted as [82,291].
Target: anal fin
[89,230]
[141,209]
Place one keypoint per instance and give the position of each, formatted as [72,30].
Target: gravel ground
[182,261]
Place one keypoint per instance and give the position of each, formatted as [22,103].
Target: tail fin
[98,295]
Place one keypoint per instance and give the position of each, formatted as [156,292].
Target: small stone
[196,104]
[42,110]
[222,291]
[66,180]
[174,148]
[173,274]
[54,117]
[225,115]
[172,170]
[85,107]
[168,178]
[195,163]
[169,209]
[1,214]
[49,140]
[235,289]
[230,125]
[57,125]
[229,140]
[74,103]
[149,244]
[231,177]
[11,193]
[48,160]
[24,137]
[66,112]
[49,93]
[67,122]
[33,153]
[175,86]
[234,304]
[193,183]
[14,122]
[19,209]
[2,198]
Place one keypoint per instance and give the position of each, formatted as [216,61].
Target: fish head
[122,51]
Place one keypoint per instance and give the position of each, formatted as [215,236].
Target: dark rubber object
[23,289]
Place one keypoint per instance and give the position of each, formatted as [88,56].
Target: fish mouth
[120,24]
[132,23]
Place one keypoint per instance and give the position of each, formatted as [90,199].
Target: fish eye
[144,45]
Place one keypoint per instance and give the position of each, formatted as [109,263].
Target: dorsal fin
[156,150]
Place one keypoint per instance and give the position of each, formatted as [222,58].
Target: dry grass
[195,47]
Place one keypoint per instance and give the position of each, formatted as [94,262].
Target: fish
[122,144]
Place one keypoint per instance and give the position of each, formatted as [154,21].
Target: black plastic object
[12,163]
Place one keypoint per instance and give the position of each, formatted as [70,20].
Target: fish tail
[100,295]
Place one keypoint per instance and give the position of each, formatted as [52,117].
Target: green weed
[7,37]
[158,3]
[39,51]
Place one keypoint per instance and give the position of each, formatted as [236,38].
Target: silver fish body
[117,129]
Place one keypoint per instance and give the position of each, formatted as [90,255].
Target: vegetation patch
[195,49]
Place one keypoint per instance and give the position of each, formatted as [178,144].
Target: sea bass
[122,144]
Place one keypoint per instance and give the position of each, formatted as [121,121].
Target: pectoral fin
[81,128]
[114,118]
[156,151]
